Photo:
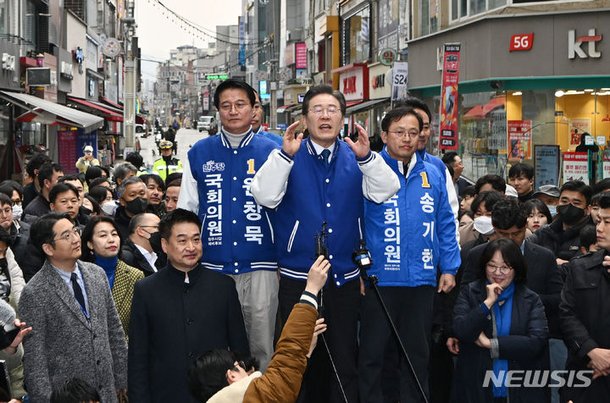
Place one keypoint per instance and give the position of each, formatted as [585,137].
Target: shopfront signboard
[519,140]
[400,80]
[546,165]
[576,167]
[448,130]
[606,164]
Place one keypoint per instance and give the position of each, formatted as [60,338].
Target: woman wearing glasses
[101,243]
[501,326]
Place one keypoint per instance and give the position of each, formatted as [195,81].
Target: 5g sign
[521,42]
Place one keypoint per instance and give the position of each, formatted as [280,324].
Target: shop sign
[66,70]
[519,140]
[387,56]
[448,138]
[575,43]
[351,84]
[378,81]
[8,62]
[576,167]
[300,57]
[400,80]
[606,164]
[521,42]
[546,165]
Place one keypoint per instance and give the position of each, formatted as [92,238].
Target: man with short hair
[123,172]
[31,190]
[316,186]
[172,194]
[178,314]
[74,180]
[573,212]
[521,177]
[257,122]
[584,313]
[237,232]
[48,176]
[69,303]
[63,198]
[138,250]
[167,164]
[133,200]
[453,160]
[489,182]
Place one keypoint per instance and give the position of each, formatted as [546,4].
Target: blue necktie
[78,293]
[326,157]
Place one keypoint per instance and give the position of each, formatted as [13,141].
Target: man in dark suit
[178,314]
[138,250]
[77,328]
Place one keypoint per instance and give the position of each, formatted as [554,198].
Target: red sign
[521,42]
[300,55]
[67,150]
[519,140]
[448,139]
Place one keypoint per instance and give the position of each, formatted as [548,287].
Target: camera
[362,257]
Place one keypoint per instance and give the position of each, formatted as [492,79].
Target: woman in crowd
[101,244]
[481,207]
[103,196]
[501,326]
[538,214]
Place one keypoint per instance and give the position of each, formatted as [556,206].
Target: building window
[30,22]
[356,37]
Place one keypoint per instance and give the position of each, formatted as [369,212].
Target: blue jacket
[434,160]
[413,232]
[271,136]
[318,194]
[237,235]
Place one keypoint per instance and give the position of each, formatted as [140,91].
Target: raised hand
[292,139]
[362,147]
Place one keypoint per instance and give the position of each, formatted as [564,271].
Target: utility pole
[129,97]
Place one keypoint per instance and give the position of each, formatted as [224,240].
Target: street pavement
[185,138]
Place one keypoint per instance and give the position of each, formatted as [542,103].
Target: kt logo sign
[575,45]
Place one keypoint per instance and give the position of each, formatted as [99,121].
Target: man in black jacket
[562,236]
[585,315]
[178,314]
[138,250]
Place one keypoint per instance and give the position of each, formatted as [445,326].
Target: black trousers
[341,309]
[411,312]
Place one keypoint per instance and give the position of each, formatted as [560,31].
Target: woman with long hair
[101,243]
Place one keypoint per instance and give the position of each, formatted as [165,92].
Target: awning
[365,105]
[48,112]
[286,108]
[480,111]
[107,113]
[107,103]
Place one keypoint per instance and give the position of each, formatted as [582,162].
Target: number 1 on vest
[251,170]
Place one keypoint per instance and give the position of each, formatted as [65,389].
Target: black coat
[37,208]
[564,244]
[584,313]
[524,348]
[543,277]
[131,255]
[173,323]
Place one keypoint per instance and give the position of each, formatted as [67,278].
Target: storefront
[353,84]
[9,80]
[524,81]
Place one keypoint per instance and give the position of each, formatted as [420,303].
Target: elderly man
[133,200]
[141,248]
[68,302]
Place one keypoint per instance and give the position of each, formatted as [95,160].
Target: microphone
[8,330]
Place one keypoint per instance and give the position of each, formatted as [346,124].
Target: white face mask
[483,225]
[109,208]
[17,211]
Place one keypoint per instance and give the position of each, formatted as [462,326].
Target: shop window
[4,21]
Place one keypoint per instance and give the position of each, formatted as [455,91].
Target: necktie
[326,157]
[78,293]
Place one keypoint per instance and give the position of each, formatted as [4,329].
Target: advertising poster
[577,127]
[519,140]
[546,165]
[576,167]
[68,150]
[448,130]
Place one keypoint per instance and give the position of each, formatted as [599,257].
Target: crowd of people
[211,279]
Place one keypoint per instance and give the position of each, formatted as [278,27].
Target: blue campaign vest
[413,232]
[237,235]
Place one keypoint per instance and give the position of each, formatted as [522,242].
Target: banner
[519,140]
[606,164]
[300,55]
[448,128]
[576,167]
[400,75]
[579,126]
[546,165]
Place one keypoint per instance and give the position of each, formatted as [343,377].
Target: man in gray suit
[77,332]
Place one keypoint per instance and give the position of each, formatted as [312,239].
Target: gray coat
[64,343]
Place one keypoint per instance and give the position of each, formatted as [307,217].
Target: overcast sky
[158,34]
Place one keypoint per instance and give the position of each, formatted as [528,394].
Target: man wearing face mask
[562,235]
[141,250]
[549,195]
[10,220]
[133,200]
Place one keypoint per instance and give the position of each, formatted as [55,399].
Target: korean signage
[546,165]
[576,167]
[400,80]
[380,81]
[519,140]
[352,83]
[448,138]
[521,42]
[576,46]
[300,55]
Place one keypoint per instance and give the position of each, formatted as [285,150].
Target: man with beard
[562,236]
[78,332]
[133,200]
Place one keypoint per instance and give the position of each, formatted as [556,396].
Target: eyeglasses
[502,269]
[401,133]
[330,110]
[228,107]
[67,235]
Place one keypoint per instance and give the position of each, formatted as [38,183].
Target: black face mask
[137,206]
[155,241]
[570,214]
